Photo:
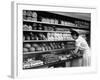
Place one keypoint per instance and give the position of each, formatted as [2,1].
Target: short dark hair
[74,33]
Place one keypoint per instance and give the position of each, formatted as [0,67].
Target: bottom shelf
[53,63]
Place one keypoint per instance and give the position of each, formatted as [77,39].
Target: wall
[5,37]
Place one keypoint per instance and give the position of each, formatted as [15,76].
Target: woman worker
[81,45]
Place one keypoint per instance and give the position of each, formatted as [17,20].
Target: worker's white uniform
[82,44]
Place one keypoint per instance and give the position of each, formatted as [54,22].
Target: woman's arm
[76,50]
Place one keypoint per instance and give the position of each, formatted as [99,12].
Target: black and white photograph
[54,39]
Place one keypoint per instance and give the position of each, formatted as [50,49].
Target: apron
[78,61]
[86,58]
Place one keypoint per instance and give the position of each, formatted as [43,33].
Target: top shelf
[67,26]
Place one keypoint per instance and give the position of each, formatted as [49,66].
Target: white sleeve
[78,43]
[81,43]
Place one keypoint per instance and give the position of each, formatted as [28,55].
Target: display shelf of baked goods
[59,25]
[55,50]
[48,40]
[53,63]
[46,31]
[48,64]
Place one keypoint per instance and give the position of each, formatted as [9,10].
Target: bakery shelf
[48,40]
[49,64]
[47,31]
[65,26]
[55,50]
